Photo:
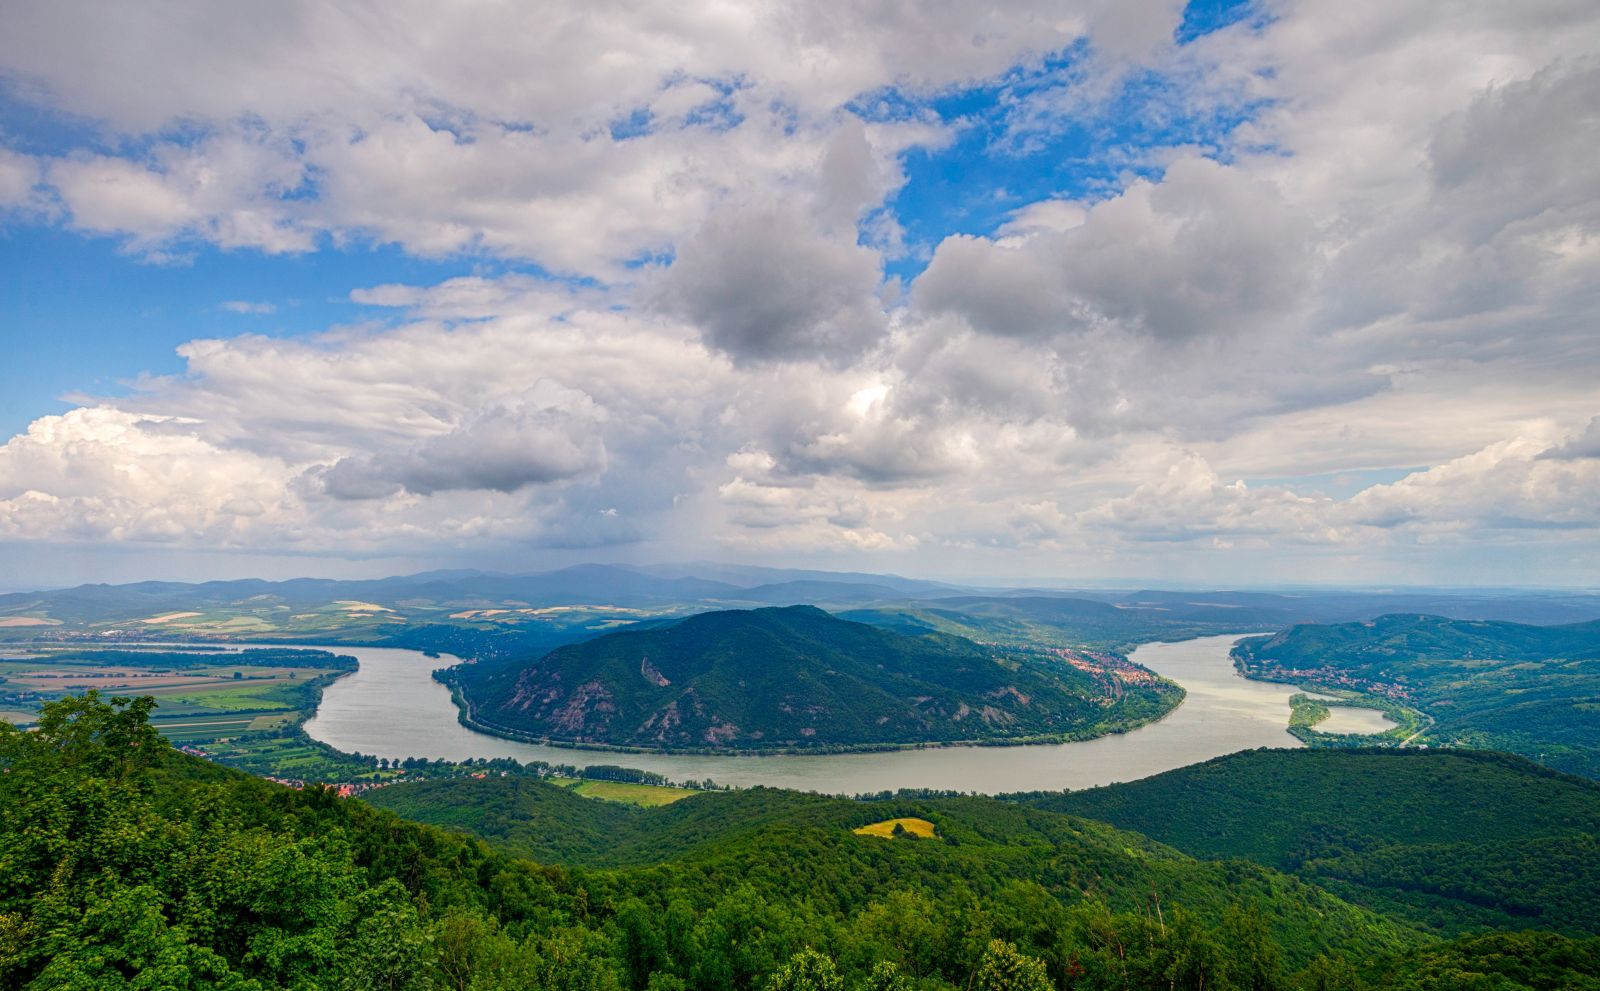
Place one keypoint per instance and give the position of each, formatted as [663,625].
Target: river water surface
[392,707]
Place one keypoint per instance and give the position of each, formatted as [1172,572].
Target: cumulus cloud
[1189,501]
[768,285]
[1512,485]
[801,515]
[1207,250]
[1583,445]
[1504,486]
[1379,257]
[299,60]
[406,124]
[548,435]
[103,474]
[231,190]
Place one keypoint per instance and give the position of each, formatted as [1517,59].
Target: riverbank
[393,706]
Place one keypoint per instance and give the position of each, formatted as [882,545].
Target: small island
[799,679]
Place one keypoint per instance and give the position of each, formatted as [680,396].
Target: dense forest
[1453,841]
[1530,690]
[129,865]
[800,678]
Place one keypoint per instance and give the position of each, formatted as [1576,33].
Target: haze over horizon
[1246,294]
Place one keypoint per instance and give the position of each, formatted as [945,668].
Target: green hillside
[798,678]
[1530,690]
[1455,841]
[723,839]
[128,865]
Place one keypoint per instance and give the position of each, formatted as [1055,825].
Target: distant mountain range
[796,678]
[496,617]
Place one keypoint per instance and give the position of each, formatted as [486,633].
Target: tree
[1328,974]
[807,970]
[1004,969]
[109,739]
[1254,963]
[885,976]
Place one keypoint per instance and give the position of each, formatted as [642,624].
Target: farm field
[201,694]
[645,796]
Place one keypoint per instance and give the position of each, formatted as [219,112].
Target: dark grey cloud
[765,284]
[1515,152]
[502,449]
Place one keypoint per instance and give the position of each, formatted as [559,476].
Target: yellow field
[648,796]
[920,828]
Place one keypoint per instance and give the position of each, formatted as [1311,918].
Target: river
[392,707]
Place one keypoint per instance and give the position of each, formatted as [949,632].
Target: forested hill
[1452,840]
[1530,690]
[803,847]
[1369,646]
[796,678]
[129,866]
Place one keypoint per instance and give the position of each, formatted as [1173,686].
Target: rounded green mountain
[797,678]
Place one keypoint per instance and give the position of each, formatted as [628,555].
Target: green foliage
[794,678]
[1307,716]
[807,970]
[1004,969]
[187,659]
[1451,840]
[715,842]
[125,864]
[1526,961]
[1530,690]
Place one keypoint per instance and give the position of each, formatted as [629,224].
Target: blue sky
[97,317]
[1066,291]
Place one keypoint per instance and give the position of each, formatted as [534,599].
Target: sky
[1225,293]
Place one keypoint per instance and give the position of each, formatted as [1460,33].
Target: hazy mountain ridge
[593,598]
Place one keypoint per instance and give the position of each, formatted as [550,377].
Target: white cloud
[577,139]
[227,189]
[1390,263]
[1191,502]
[1582,445]
[252,308]
[1208,250]
[1504,486]
[102,474]
[302,60]
[19,175]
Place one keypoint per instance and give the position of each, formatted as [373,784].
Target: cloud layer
[1382,267]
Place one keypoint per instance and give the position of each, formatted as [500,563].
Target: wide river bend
[392,707]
